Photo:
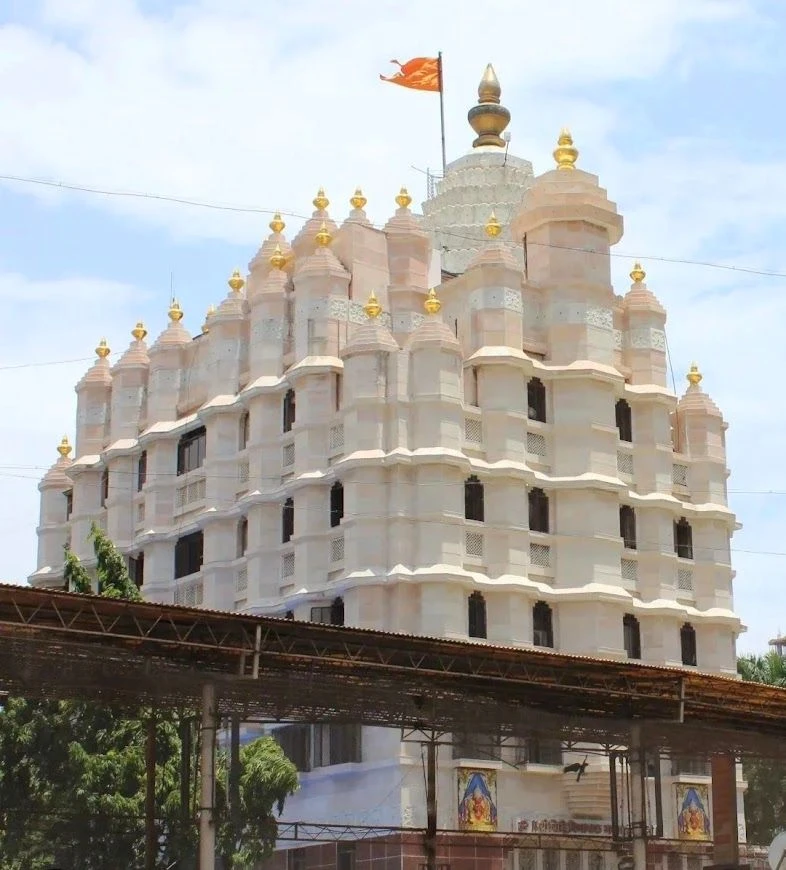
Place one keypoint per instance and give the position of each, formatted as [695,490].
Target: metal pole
[638,821]
[442,113]
[234,775]
[150,795]
[207,830]
[431,804]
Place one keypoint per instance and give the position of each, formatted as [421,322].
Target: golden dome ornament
[64,447]
[694,376]
[637,274]
[139,332]
[277,259]
[489,117]
[565,154]
[320,201]
[493,226]
[432,303]
[236,282]
[175,312]
[102,351]
[403,200]
[277,225]
[372,307]
[357,200]
[323,237]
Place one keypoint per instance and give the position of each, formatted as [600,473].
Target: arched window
[683,539]
[242,537]
[628,526]
[631,632]
[474,508]
[287,521]
[538,511]
[336,504]
[476,615]
[688,644]
[337,611]
[624,420]
[288,411]
[536,400]
[245,431]
[542,625]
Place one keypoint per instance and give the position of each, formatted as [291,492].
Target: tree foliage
[72,777]
[765,800]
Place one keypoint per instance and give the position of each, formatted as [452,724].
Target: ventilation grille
[679,475]
[629,568]
[536,444]
[473,544]
[288,454]
[624,462]
[685,579]
[540,555]
[337,549]
[288,565]
[241,580]
[337,437]
[242,471]
[140,513]
[473,430]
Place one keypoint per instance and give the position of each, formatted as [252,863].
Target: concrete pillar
[726,851]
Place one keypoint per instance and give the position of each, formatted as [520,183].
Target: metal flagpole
[442,113]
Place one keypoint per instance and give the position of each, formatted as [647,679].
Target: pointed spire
[277,225]
[102,351]
[372,307]
[493,226]
[565,154]
[694,376]
[323,237]
[637,274]
[357,200]
[489,118]
[64,447]
[403,199]
[175,311]
[320,201]
[432,303]
[139,332]
[236,282]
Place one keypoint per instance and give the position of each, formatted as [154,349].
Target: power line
[56,362]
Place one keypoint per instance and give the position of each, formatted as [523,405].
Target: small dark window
[345,856]
[688,644]
[245,431]
[287,521]
[526,257]
[295,741]
[474,745]
[542,625]
[321,615]
[242,537]
[289,615]
[683,539]
[542,750]
[628,526]
[336,744]
[296,858]
[624,420]
[336,504]
[136,569]
[69,503]
[690,766]
[338,391]
[536,400]
[337,611]
[141,471]
[188,554]
[631,632]
[191,450]
[288,420]
[476,615]
[538,511]
[474,508]
[104,486]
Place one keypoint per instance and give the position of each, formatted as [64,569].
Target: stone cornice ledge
[496,355]
[121,447]
[85,463]
[218,405]
[163,430]
[705,510]
[314,365]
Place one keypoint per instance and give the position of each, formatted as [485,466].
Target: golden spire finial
[64,448]
[493,226]
[323,237]
[694,376]
[372,307]
[403,200]
[277,258]
[432,303]
[236,282]
[488,119]
[357,200]
[637,274]
[277,225]
[139,332]
[566,154]
[102,351]
[321,202]
[175,311]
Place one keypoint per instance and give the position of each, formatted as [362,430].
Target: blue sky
[671,104]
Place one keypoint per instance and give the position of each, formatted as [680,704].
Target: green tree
[765,800]
[72,778]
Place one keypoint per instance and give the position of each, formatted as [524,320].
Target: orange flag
[420,74]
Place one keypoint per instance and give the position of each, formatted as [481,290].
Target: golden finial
[488,118]
[372,307]
[321,202]
[357,200]
[277,258]
[637,274]
[175,312]
[694,375]
[403,200]
[236,282]
[208,314]
[493,226]
[323,237]
[566,154]
[139,332]
[102,351]
[277,225]
[64,448]
[432,304]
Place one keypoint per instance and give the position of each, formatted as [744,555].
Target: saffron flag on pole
[420,74]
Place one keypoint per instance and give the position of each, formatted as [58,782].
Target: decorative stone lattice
[536,444]
[473,544]
[685,579]
[540,555]
[629,569]
[679,474]
[624,462]
[337,549]
[241,579]
[288,565]
[473,430]
[288,454]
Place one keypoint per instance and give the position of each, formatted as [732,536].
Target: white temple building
[450,425]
